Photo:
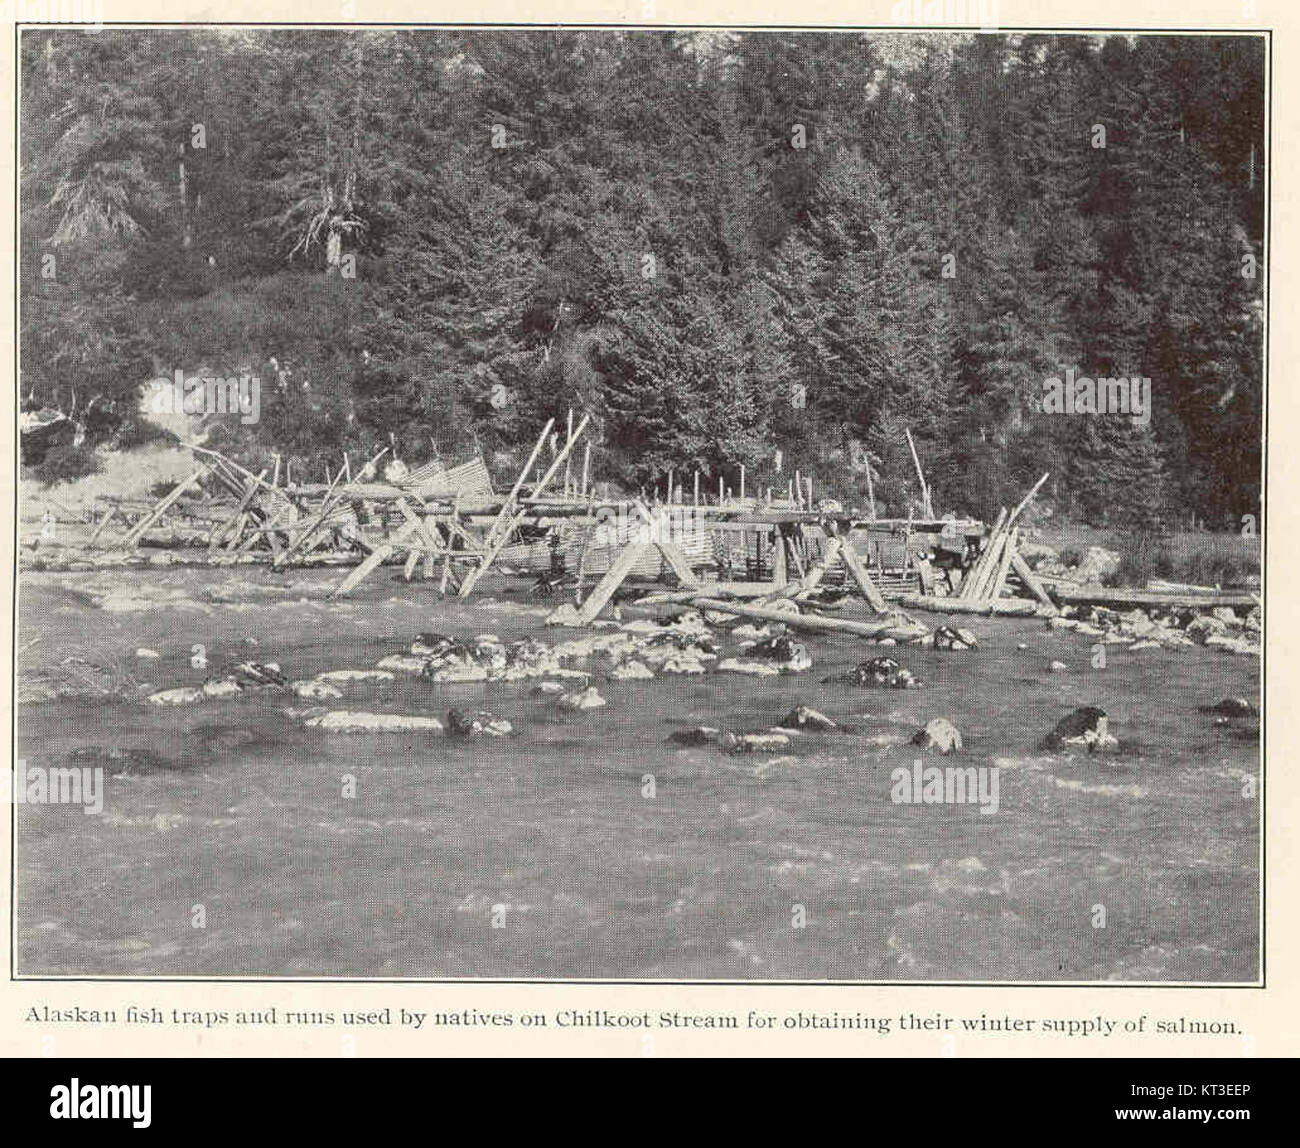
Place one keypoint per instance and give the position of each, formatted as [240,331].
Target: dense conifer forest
[723,246]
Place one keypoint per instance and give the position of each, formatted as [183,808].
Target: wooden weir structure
[751,555]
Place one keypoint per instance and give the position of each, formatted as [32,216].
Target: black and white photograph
[625,505]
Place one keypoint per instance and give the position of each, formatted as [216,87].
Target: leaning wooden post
[112,511]
[854,566]
[1026,500]
[327,505]
[374,559]
[1008,553]
[588,535]
[132,540]
[506,509]
[497,544]
[1030,579]
[613,578]
[568,463]
[219,532]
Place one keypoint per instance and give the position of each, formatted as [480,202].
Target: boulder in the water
[432,644]
[315,689]
[552,689]
[462,724]
[1057,668]
[1087,727]
[954,638]
[883,673]
[345,721]
[588,699]
[403,663]
[788,654]
[221,688]
[565,615]
[251,675]
[458,673]
[939,735]
[808,719]
[181,696]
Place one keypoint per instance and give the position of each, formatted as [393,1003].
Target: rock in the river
[463,724]
[552,689]
[181,696]
[403,663]
[809,720]
[221,688]
[565,615]
[1057,668]
[434,645]
[788,654]
[954,638]
[1087,727]
[939,735]
[1232,645]
[882,673]
[684,662]
[345,721]
[489,652]
[588,699]
[316,689]
[1204,628]
[459,673]
[251,675]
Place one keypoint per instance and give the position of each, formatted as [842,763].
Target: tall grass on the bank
[1200,559]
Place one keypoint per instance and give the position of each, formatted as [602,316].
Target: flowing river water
[542,854]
